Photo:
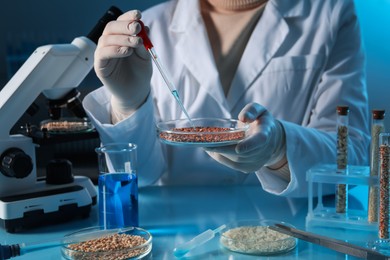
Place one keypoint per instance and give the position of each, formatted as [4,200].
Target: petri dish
[66,126]
[254,237]
[205,132]
[134,243]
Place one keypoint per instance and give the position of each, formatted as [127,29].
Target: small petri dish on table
[254,237]
[205,132]
[133,243]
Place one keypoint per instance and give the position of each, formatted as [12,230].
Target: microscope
[55,71]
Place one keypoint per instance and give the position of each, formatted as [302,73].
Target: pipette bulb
[180,252]
[144,35]
[8,251]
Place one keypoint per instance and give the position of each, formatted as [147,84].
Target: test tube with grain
[377,127]
[384,156]
[342,157]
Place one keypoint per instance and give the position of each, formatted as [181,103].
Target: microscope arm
[53,70]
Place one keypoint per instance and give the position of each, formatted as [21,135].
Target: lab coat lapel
[268,36]
[194,48]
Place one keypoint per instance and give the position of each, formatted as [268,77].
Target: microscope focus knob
[59,171]
[15,163]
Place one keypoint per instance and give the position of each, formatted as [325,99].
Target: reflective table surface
[175,215]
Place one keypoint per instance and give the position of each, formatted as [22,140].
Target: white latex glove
[264,144]
[122,63]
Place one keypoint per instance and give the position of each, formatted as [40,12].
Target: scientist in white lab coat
[283,66]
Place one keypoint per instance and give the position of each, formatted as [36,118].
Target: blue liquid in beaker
[118,200]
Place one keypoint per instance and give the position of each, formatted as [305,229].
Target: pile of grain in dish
[109,247]
[202,134]
[257,240]
[65,126]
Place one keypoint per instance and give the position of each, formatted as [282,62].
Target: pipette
[150,48]
[200,239]
[9,251]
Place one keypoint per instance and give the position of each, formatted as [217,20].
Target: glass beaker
[118,185]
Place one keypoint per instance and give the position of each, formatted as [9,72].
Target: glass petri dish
[206,132]
[134,243]
[66,126]
[254,237]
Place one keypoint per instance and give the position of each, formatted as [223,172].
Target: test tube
[377,127]
[384,156]
[342,157]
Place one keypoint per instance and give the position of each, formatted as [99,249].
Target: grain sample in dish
[134,243]
[203,132]
[257,240]
[111,245]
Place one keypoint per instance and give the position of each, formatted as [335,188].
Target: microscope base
[39,219]
[45,207]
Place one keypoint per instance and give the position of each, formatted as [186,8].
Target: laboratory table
[176,214]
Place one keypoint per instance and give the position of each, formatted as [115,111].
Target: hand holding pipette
[200,239]
[123,65]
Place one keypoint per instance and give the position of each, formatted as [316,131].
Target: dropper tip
[219,229]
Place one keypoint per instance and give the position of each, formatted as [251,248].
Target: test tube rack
[325,215]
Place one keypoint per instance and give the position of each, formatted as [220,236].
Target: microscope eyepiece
[112,14]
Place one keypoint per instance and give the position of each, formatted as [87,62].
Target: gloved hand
[264,144]
[122,63]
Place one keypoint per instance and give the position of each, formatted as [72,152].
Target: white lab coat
[304,58]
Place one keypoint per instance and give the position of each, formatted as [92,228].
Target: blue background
[25,25]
